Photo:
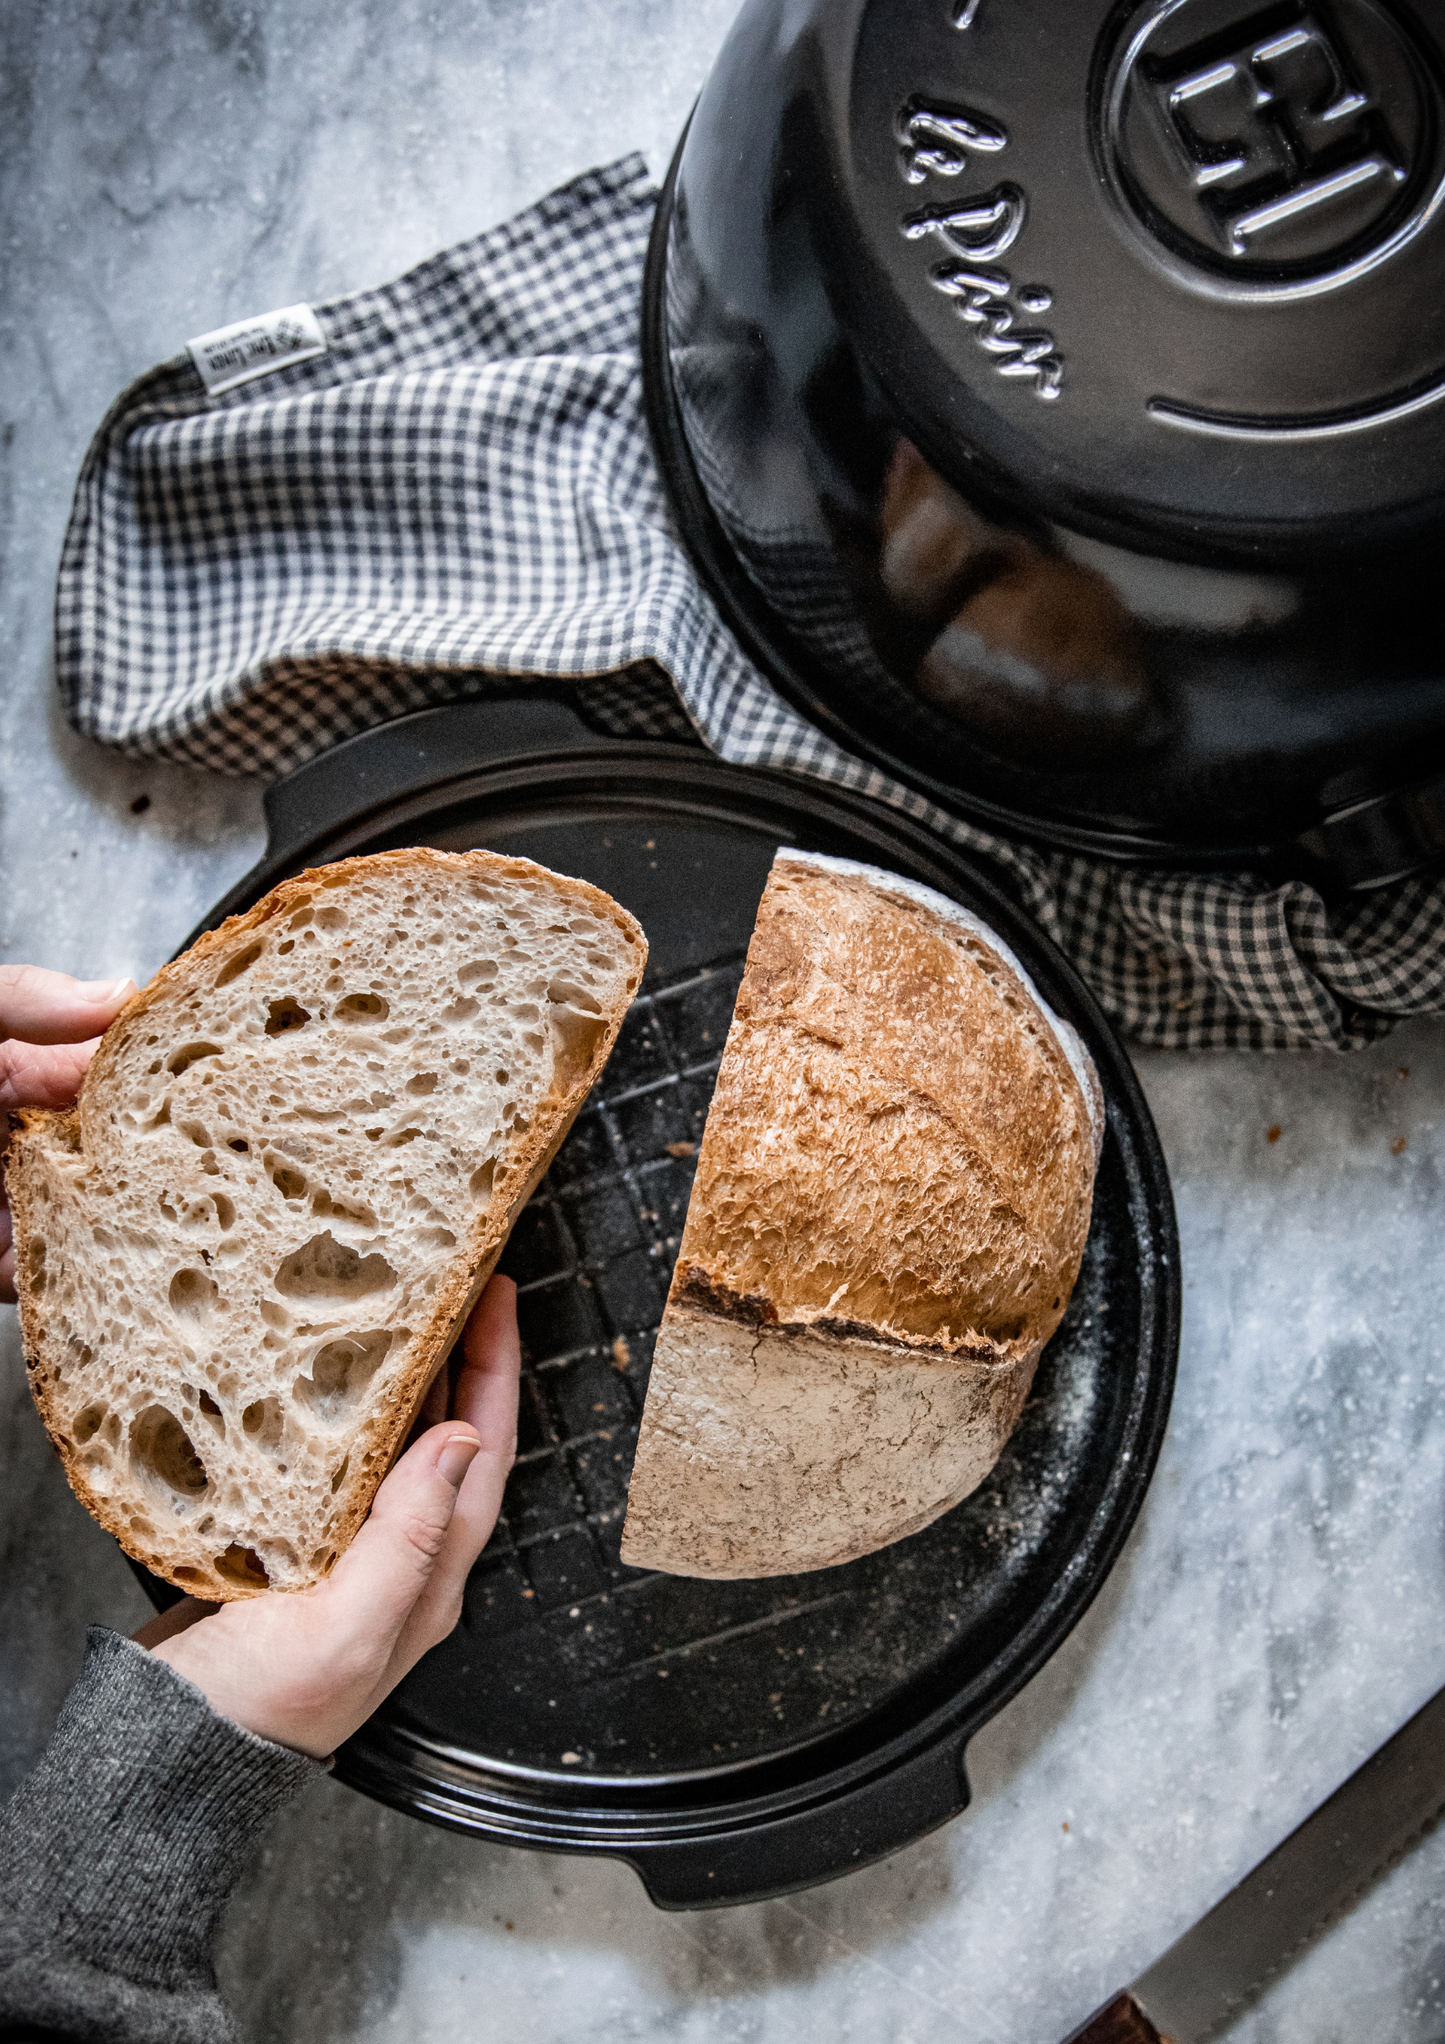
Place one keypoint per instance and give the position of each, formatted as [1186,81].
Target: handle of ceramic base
[324,803]
[1120,2021]
[799,1848]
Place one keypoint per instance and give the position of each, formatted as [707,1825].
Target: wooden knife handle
[1120,2021]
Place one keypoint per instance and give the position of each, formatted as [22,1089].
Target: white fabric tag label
[256,347]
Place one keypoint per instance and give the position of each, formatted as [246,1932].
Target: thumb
[387,1566]
[50,1007]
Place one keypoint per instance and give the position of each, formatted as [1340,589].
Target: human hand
[50,1025]
[305,1668]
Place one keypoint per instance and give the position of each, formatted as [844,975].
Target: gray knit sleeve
[119,1851]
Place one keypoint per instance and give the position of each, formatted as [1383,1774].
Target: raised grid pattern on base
[592,1255]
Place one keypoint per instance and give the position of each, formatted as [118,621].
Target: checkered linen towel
[461,489]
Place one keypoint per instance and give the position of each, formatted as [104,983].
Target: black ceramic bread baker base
[730,1740]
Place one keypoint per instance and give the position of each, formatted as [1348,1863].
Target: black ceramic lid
[1169,272]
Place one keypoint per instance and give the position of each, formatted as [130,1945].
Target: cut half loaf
[891,1203]
[295,1158]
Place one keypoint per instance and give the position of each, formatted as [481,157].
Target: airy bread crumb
[293,1164]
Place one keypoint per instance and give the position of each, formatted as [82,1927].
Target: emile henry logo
[1274,142]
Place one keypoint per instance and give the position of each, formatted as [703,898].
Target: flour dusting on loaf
[294,1161]
[892,1199]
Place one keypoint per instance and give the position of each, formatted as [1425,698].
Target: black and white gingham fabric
[461,489]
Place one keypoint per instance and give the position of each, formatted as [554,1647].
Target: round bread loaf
[891,1204]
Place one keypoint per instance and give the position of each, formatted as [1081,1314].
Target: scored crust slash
[295,1159]
[890,1210]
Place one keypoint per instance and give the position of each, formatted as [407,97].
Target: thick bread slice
[890,1209]
[292,1167]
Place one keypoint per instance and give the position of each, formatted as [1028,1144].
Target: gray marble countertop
[1278,1609]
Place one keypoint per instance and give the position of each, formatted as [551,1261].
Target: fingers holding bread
[43,1075]
[50,1026]
[485,1399]
[37,1006]
[435,1512]
[32,1076]
[380,1579]
[306,1670]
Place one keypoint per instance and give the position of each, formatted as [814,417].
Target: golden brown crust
[927,1153]
[88,1131]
